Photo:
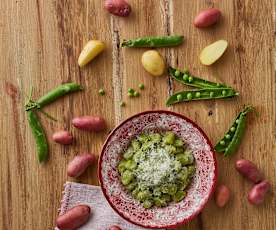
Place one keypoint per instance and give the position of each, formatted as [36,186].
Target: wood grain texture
[40,44]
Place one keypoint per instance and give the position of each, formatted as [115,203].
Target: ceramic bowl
[199,191]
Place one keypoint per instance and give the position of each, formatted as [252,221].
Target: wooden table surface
[40,42]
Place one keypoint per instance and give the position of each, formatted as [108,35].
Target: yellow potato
[153,62]
[90,51]
[213,52]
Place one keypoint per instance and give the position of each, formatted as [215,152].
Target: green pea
[237,121]
[101,92]
[233,129]
[122,104]
[224,92]
[218,84]
[197,94]
[130,94]
[211,94]
[130,90]
[190,79]
[179,196]
[147,203]
[189,96]
[177,73]
[136,94]
[227,136]
[222,142]
[185,77]
[179,97]
[141,86]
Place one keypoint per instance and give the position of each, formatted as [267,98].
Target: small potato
[79,164]
[117,7]
[153,62]
[73,218]
[207,18]
[114,227]
[249,170]
[89,123]
[211,53]
[257,194]
[222,195]
[90,51]
[63,137]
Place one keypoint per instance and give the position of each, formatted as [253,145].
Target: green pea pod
[39,136]
[160,41]
[232,138]
[57,93]
[187,79]
[201,94]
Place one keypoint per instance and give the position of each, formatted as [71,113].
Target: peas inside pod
[157,169]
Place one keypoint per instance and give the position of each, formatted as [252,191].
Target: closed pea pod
[39,136]
[231,140]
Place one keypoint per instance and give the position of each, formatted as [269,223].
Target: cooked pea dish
[157,168]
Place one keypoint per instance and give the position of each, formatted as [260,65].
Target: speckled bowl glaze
[199,191]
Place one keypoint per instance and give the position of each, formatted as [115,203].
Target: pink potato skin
[73,218]
[257,194]
[207,18]
[63,137]
[222,195]
[89,123]
[114,227]
[79,164]
[249,170]
[117,7]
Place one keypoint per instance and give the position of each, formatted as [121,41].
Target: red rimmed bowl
[199,191]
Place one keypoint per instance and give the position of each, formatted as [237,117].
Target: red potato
[222,195]
[249,170]
[89,123]
[63,137]
[114,227]
[79,164]
[207,18]
[117,7]
[73,218]
[257,194]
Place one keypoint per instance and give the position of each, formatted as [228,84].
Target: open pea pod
[201,94]
[187,79]
[232,138]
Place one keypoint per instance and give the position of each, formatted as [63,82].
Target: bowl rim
[211,149]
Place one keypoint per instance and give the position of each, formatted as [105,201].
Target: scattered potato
[207,18]
[117,7]
[90,51]
[153,62]
[249,170]
[222,195]
[257,194]
[73,218]
[213,52]
[89,123]
[79,164]
[63,137]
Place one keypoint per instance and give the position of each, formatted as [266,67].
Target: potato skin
[257,194]
[74,218]
[114,227]
[222,195]
[79,164]
[249,170]
[63,137]
[118,7]
[207,18]
[89,123]
[153,62]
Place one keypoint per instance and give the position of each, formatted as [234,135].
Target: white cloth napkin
[103,216]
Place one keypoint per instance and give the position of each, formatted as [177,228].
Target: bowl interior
[199,191]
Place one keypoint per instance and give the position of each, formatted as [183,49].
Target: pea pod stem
[187,79]
[39,136]
[158,41]
[229,145]
[201,94]
[53,95]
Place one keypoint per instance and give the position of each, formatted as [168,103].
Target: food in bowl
[157,168]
